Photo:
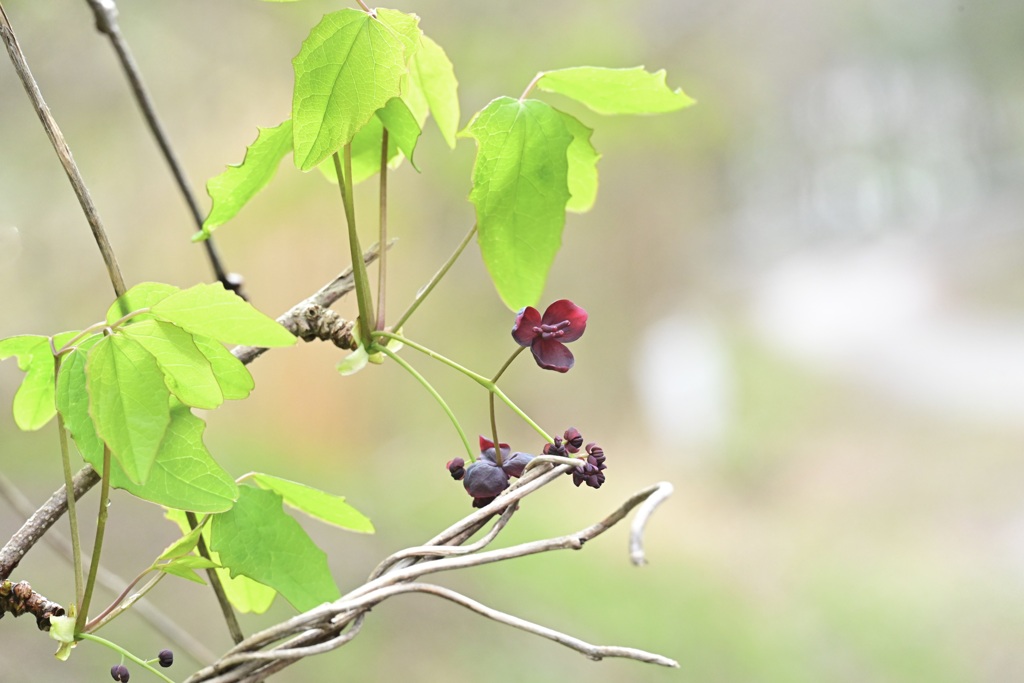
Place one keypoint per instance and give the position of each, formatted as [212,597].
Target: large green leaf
[243,593]
[215,312]
[233,188]
[316,503]
[257,539]
[432,74]
[142,295]
[187,372]
[349,66]
[403,133]
[582,166]
[128,402]
[233,377]
[520,190]
[616,91]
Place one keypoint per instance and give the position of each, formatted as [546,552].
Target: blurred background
[806,300]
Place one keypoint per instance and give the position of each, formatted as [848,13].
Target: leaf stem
[363,296]
[125,653]
[433,392]
[530,86]
[478,378]
[382,269]
[95,623]
[101,525]
[425,291]
[65,458]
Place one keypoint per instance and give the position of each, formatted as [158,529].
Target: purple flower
[563,322]
[485,478]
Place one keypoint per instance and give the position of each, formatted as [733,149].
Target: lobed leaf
[582,158]
[349,66]
[187,372]
[316,503]
[520,190]
[128,402]
[616,91]
[257,539]
[213,311]
[246,595]
[232,189]
[433,75]
[142,295]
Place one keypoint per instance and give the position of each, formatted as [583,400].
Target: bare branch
[636,529]
[60,146]
[317,630]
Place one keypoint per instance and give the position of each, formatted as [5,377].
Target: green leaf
[187,372]
[403,134]
[185,567]
[128,402]
[232,376]
[243,593]
[33,404]
[142,295]
[215,312]
[582,166]
[616,91]
[349,66]
[353,362]
[233,188]
[433,75]
[184,474]
[257,539]
[73,402]
[520,190]
[402,128]
[316,503]
[183,546]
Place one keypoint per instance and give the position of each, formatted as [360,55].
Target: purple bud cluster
[592,473]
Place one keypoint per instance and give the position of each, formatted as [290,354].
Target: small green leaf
[185,567]
[183,546]
[582,166]
[353,362]
[187,372]
[73,401]
[128,402]
[433,75]
[349,66]
[142,295]
[33,404]
[403,133]
[246,595]
[233,377]
[402,128]
[520,190]
[233,188]
[616,91]
[215,312]
[257,539]
[316,503]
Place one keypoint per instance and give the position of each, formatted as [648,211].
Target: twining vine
[124,390]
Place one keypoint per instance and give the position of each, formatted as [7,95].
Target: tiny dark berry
[457,468]
[119,672]
[166,658]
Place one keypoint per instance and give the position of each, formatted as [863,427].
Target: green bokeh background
[806,312]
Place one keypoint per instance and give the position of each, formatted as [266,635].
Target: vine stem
[218,588]
[478,378]
[101,525]
[92,624]
[60,146]
[531,85]
[124,653]
[382,267]
[121,604]
[363,298]
[433,392]
[65,459]
[105,12]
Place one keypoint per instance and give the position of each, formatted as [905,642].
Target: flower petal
[522,330]
[563,309]
[552,355]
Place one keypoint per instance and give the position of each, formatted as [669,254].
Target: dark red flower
[485,478]
[563,322]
